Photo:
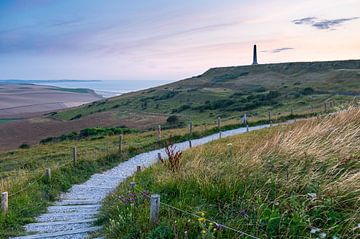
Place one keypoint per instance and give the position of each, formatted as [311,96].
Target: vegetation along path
[73,215]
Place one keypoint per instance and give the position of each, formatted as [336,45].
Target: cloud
[278,50]
[323,24]
[307,20]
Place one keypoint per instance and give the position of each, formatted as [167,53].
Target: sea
[105,88]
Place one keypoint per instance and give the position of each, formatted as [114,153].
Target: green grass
[21,168]
[77,90]
[232,91]
[281,182]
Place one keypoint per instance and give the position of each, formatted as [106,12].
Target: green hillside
[228,91]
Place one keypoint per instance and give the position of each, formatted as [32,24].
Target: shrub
[172,119]
[307,91]
[24,146]
[76,117]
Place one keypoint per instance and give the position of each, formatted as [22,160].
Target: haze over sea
[105,88]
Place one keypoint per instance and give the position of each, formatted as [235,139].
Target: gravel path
[73,215]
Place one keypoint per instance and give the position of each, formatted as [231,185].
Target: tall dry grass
[314,164]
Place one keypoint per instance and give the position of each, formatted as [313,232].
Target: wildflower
[201,219]
[211,224]
[202,214]
[243,213]
[203,231]
[218,227]
[312,196]
[314,230]
[229,144]
[322,235]
[214,229]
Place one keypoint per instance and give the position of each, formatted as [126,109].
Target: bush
[172,119]
[76,117]
[307,91]
[24,146]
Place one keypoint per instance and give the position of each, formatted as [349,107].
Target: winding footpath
[74,214]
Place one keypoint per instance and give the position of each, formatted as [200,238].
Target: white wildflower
[313,196]
[314,230]
[322,235]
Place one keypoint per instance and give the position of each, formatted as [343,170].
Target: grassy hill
[290,181]
[230,91]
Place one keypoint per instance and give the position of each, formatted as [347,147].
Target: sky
[168,39]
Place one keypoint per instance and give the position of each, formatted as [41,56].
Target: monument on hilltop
[255,56]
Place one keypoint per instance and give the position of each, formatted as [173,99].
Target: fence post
[325,108]
[159,157]
[4,202]
[159,133]
[270,118]
[132,186]
[138,168]
[48,174]
[247,128]
[245,119]
[219,126]
[121,139]
[219,122]
[74,155]
[190,144]
[190,128]
[154,208]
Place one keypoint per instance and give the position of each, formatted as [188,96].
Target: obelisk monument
[255,56]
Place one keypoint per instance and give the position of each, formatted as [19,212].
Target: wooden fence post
[219,126]
[132,186]
[121,139]
[159,157]
[159,133]
[270,118]
[74,155]
[154,208]
[48,174]
[245,119]
[219,122]
[4,202]
[138,168]
[190,144]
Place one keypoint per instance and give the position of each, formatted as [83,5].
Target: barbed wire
[125,143]
[197,216]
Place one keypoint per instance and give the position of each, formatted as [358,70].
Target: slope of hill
[228,91]
[294,181]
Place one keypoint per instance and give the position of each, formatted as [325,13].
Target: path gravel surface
[73,215]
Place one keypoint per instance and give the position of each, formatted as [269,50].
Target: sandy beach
[24,100]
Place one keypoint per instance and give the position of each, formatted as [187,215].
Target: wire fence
[241,233]
[327,106]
